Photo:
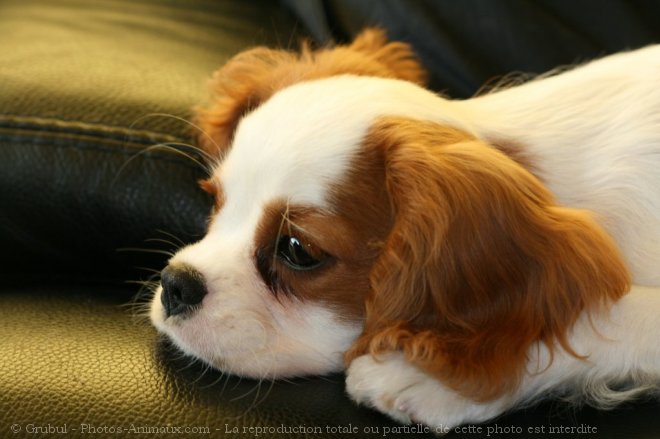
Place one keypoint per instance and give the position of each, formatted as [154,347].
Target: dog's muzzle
[183,289]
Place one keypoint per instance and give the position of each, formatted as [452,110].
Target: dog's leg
[620,348]
[404,392]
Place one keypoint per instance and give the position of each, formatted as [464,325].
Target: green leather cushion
[79,179]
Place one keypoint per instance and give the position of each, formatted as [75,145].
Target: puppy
[456,258]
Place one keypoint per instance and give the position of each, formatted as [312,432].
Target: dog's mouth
[280,343]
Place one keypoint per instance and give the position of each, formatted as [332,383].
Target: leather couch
[98,185]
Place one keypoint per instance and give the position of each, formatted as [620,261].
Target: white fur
[241,326]
[259,337]
[621,349]
[402,391]
[593,136]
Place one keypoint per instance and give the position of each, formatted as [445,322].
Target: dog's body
[364,217]
[592,135]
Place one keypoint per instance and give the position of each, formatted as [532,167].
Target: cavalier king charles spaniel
[456,258]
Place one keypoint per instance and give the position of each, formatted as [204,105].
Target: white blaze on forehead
[302,140]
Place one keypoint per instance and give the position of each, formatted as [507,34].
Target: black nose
[183,288]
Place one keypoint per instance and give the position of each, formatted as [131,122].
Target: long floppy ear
[481,262]
[253,76]
[237,88]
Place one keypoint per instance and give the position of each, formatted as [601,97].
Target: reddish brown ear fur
[251,77]
[481,262]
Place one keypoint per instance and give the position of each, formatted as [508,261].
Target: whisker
[201,375]
[290,381]
[192,361]
[170,146]
[295,226]
[255,400]
[167,146]
[181,356]
[139,282]
[164,241]
[215,381]
[208,156]
[267,394]
[285,217]
[140,313]
[140,304]
[237,398]
[151,270]
[171,235]
[224,386]
[145,250]
[135,304]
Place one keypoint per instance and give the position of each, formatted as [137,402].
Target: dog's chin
[252,348]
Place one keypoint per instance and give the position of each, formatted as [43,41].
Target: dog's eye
[298,255]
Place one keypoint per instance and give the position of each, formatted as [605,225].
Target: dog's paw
[407,394]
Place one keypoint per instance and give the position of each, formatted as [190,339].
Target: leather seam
[36,136]
[99,144]
[34,124]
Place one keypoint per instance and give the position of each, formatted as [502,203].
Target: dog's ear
[238,87]
[396,58]
[253,76]
[480,264]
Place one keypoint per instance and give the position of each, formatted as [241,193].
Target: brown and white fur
[456,258]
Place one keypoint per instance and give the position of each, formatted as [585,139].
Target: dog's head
[355,212]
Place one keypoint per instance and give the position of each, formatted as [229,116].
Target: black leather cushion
[79,180]
[467,43]
[77,355]
[87,89]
